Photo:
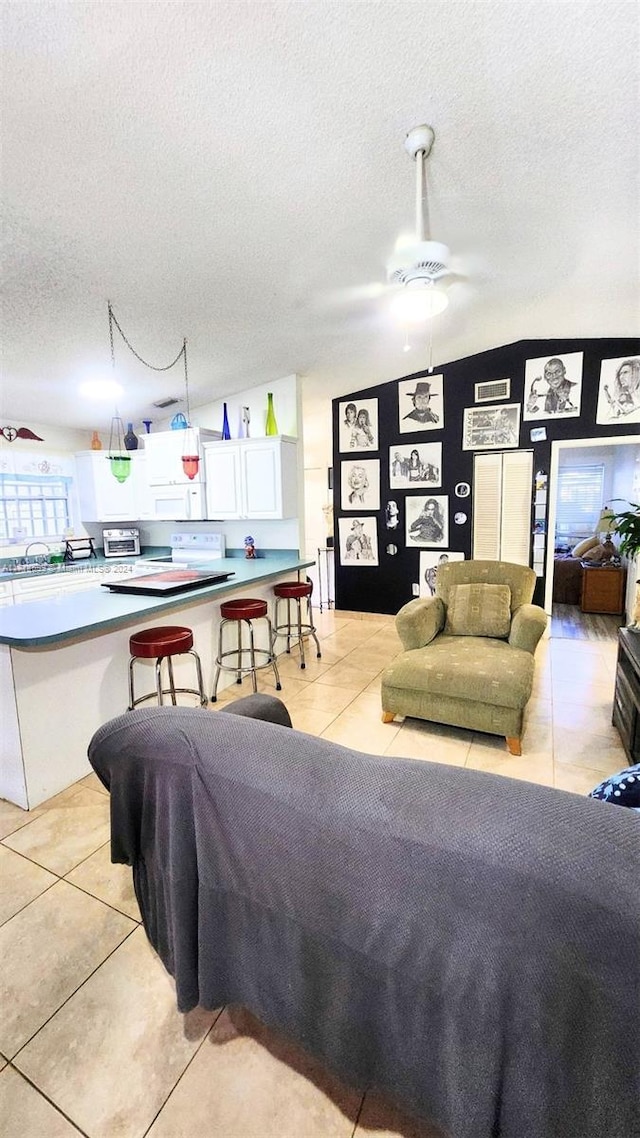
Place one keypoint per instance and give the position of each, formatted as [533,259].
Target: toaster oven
[121,542]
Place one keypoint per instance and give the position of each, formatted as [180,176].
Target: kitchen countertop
[95,610]
[34,569]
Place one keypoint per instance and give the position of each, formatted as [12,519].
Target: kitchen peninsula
[63,666]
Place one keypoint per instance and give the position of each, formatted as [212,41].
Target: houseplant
[627,526]
[627,523]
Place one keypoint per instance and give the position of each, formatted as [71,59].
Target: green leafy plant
[627,523]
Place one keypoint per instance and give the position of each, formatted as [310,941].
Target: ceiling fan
[419,273]
[418,267]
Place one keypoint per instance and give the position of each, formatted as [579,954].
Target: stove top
[166,582]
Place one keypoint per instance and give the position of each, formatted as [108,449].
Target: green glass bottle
[272,426]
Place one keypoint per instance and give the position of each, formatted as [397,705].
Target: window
[34,506]
[580,496]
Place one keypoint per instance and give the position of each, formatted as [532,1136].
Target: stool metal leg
[158,671]
[203,698]
[273,655]
[300,636]
[252,657]
[131,696]
[172,686]
[312,629]
[239,672]
[216,677]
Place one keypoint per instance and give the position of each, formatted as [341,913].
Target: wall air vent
[493,389]
[162,404]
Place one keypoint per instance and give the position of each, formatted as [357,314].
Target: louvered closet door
[502,497]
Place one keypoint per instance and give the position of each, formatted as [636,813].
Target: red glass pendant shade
[190,464]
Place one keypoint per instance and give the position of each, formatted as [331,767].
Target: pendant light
[190,456]
[119,460]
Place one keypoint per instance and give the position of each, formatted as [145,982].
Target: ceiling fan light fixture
[418,302]
[423,260]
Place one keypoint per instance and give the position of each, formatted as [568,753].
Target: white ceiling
[227,171]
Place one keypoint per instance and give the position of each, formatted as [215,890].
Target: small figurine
[249,547]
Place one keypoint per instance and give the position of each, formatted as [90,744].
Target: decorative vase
[226,433]
[130,439]
[96,443]
[272,426]
[179,422]
[147,425]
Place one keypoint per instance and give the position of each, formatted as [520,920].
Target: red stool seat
[167,641]
[245,608]
[293,589]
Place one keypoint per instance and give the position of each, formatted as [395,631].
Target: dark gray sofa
[465,943]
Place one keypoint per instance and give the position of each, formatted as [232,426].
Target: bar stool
[295,591]
[244,611]
[162,644]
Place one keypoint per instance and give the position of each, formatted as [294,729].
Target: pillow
[596,554]
[581,548]
[621,789]
[479,610]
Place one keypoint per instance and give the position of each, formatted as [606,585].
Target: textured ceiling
[234,172]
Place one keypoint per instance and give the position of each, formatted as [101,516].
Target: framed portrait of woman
[427,520]
[360,484]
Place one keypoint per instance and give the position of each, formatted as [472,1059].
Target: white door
[502,504]
[223,481]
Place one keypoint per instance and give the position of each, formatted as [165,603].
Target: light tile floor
[90,1039]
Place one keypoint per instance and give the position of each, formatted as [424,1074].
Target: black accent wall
[386,587]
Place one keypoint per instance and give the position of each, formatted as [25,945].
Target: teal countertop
[34,568]
[90,612]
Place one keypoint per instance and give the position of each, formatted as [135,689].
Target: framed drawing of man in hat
[420,404]
[553,387]
[358,541]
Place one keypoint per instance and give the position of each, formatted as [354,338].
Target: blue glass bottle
[226,433]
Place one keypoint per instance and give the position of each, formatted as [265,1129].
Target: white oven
[178,503]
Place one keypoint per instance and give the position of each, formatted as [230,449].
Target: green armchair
[468,650]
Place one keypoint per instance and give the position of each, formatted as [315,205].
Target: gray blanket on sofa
[465,943]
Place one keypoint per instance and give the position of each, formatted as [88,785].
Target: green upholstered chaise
[468,653]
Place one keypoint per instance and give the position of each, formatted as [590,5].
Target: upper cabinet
[164,451]
[102,498]
[251,478]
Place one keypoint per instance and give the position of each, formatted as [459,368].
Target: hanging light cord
[113,320]
[167,367]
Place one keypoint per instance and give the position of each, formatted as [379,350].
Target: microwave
[121,542]
[178,503]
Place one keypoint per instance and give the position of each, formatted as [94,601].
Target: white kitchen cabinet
[164,451]
[102,498]
[252,479]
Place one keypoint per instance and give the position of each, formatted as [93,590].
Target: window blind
[579,501]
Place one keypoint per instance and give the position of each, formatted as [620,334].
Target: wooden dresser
[602,588]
